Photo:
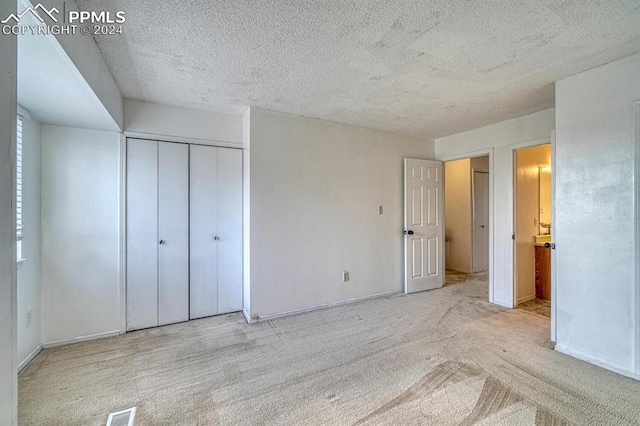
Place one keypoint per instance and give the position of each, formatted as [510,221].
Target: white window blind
[19,178]
[19,211]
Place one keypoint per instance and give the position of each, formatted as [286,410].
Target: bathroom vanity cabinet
[543,272]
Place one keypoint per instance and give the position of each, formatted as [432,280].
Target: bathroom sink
[542,238]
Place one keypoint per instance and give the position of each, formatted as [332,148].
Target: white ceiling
[424,68]
[52,88]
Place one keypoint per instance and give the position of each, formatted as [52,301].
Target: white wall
[594,230]
[86,56]
[457,201]
[181,124]
[80,233]
[315,191]
[30,336]
[499,139]
[8,364]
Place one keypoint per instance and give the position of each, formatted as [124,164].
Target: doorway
[532,229]
[467,219]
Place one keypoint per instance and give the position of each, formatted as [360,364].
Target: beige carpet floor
[445,356]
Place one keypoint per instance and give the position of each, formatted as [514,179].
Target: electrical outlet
[345,276]
[28,317]
[379,209]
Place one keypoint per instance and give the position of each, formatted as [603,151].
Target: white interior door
[173,232]
[480,221]
[142,234]
[424,227]
[229,230]
[203,260]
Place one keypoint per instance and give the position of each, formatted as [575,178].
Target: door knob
[216,238]
[481,226]
[408,232]
[162,242]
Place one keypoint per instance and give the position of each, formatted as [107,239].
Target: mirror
[544,200]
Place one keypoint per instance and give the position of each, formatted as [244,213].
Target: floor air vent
[122,418]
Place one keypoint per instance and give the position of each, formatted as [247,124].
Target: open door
[423,225]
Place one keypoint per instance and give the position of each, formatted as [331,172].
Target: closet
[184,232]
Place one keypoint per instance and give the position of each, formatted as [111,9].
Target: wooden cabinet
[543,272]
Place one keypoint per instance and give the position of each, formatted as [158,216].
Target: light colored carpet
[441,357]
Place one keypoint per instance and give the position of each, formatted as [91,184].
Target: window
[19,189]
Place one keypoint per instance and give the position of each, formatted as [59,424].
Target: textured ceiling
[424,68]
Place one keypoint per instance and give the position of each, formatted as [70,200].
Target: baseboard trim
[460,271]
[595,361]
[526,299]
[81,339]
[328,305]
[504,305]
[246,316]
[29,358]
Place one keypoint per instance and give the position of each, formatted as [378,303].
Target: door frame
[512,188]
[473,154]
[512,212]
[124,137]
[636,287]
[473,214]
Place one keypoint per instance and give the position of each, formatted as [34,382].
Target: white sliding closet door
[229,230]
[203,231]
[142,234]
[173,232]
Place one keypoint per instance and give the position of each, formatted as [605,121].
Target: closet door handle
[216,238]
[162,242]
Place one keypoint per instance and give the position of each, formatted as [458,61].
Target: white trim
[246,316]
[462,156]
[492,225]
[122,237]
[595,361]
[320,307]
[526,299]
[180,139]
[24,113]
[460,271]
[29,358]
[554,302]
[81,339]
[636,287]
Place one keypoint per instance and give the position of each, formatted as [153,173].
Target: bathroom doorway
[532,229]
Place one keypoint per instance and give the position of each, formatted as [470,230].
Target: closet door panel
[173,232]
[142,234]
[229,230]
[203,232]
